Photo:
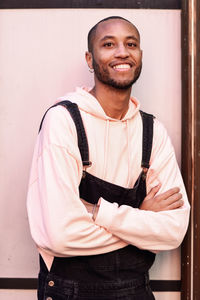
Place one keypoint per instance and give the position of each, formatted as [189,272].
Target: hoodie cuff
[105,213]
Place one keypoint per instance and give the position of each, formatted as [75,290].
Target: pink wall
[42,57]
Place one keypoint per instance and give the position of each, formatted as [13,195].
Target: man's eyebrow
[132,37]
[106,37]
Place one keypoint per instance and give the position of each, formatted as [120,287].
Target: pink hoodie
[59,222]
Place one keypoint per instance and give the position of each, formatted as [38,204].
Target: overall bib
[121,274]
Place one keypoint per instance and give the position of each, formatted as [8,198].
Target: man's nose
[121,51]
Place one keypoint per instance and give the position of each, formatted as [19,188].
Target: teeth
[124,66]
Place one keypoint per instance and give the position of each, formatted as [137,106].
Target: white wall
[41,58]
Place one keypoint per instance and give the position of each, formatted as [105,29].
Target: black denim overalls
[121,274]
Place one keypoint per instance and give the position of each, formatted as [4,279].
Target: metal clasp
[144,174]
[86,164]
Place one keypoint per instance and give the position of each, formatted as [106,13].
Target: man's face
[116,55]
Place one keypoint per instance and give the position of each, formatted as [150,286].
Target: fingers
[170,195]
[171,199]
[166,194]
[170,192]
[175,205]
[153,192]
[168,200]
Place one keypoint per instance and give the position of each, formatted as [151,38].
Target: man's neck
[115,102]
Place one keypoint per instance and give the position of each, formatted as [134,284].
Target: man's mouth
[122,67]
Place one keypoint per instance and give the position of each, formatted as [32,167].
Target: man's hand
[91,208]
[171,199]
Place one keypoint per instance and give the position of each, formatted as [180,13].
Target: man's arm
[59,221]
[146,229]
[171,199]
[162,220]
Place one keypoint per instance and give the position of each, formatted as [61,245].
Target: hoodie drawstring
[106,148]
[129,152]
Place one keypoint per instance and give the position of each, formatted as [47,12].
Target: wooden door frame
[190,255]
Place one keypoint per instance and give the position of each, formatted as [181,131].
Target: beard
[103,76]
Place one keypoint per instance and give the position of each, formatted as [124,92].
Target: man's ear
[89,59]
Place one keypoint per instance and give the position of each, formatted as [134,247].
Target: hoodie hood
[89,104]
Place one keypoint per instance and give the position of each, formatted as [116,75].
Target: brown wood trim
[32,283]
[196,274]
[186,149]
[156,4]
[190,271]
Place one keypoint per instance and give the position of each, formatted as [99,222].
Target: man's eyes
[108,44]
[132,44]
[111,44]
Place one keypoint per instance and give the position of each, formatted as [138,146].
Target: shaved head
[92,32]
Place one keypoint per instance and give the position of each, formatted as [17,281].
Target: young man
[98,216]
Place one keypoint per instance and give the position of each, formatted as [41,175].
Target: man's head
[114,52]
[92,32]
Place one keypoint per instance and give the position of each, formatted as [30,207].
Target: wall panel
[41,59]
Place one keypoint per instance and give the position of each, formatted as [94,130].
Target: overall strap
[82,139]
[147,120]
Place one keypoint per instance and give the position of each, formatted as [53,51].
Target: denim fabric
[54,287]
[120,274]
[92,188]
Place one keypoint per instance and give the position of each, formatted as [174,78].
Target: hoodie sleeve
[150,230]
[59,222]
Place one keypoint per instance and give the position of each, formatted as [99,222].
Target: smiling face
[116,56]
